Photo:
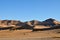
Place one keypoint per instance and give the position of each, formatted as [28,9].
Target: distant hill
[48,23]
[33,22]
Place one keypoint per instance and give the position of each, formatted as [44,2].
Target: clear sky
[26,10]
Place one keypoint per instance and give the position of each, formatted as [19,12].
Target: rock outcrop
[33,22]
[50,22]
[14,24]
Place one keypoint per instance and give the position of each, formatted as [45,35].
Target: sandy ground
[28,35]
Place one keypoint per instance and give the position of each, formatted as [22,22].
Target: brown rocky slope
[15,24]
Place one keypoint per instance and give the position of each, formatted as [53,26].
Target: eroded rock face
[14,24]
[10,23]
[50,22]
[33,22]
[29,24]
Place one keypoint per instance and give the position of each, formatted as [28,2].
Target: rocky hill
[33,22]
[50,22]
[15,24]
[5,23]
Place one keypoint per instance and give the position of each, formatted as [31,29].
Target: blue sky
[26,10]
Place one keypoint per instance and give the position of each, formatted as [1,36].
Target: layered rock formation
[14,24]
[49,23]
[5,23]
[33,22]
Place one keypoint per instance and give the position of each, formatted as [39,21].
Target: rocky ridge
[15,24]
